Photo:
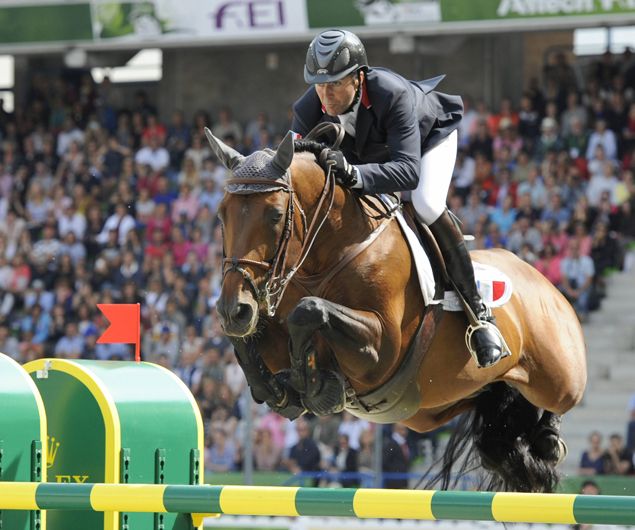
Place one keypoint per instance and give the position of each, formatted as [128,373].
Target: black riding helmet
[333,55]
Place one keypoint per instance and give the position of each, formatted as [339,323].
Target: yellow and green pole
[341,502]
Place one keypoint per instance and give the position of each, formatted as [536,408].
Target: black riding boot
[485,343]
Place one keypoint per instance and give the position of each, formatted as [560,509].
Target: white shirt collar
[349,119]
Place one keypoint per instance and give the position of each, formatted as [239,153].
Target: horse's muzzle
[238,319]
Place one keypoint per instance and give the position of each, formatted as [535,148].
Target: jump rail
[341,502]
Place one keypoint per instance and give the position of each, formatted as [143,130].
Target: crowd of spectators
[101,201]
[614,458]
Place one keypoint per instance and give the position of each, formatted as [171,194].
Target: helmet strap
[358,94]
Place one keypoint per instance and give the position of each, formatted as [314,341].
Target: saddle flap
[430,247]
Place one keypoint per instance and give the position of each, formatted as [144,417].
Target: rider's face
[338,96]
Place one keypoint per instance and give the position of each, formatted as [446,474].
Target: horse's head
[257,214]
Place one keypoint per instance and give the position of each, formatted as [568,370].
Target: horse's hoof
[329,398]
[291,407]
[563,451]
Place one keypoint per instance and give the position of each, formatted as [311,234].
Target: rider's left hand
[345,173]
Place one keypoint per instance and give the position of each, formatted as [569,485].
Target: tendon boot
[483,339]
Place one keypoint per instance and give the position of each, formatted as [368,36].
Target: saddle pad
[422,262]
[494,285]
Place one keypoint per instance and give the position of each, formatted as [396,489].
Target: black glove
[345,173]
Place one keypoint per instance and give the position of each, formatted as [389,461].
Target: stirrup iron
[485,324]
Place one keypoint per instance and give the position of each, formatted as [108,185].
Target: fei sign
[170,20]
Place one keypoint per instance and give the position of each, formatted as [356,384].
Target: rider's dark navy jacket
[397,122]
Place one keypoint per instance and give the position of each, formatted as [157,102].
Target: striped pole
[283,501]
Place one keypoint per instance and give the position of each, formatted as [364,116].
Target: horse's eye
[275,216]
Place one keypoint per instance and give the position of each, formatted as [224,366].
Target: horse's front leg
[355,334]
[264,385]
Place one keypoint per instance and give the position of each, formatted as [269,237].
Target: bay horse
[321,300]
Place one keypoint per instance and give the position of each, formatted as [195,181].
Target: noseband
[269,294]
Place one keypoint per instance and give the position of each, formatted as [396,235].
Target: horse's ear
[228,156]
[284,153]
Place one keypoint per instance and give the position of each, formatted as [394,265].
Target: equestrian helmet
[333,55]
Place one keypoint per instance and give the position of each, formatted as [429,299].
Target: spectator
[164,341]
[589,487]
[37,323]
[186,204]
[366,453]
[70,133]
[71,345]
[304,456]
[154,154]
[473,213]
[189,174]
[234,376]
[504,216]
[555,211]
[187,369]
[227,126]
[592,460]
[535,187]
[577,279]
[582,236]
[574,113]
[550,264]
[178,138]
[602,182]
[528,120]
[396,458]
[524,234]
[630,429]
[605,250]
[9,345]
[198,151]
[267,455]
[604,137]
[345,462]
[221,455]
[576,139]
[618,459]
[121,222]
[352,427]
[253,132]
[549,140]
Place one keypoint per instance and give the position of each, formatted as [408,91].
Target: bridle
[277,276]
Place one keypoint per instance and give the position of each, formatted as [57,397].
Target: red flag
[125,322]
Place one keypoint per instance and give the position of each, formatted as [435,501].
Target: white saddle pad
[494,285]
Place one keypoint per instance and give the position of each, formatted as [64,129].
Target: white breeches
[437,166]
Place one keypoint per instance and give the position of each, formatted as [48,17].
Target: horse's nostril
[242,313]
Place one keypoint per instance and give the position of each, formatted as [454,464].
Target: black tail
[501,441]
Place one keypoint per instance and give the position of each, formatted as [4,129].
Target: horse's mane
[309,146]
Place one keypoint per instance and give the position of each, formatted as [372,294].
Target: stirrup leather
[483,323]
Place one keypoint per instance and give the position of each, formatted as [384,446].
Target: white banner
[192,19]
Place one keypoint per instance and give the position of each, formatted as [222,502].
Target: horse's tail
[500,439]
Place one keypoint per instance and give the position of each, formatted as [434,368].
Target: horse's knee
[311,311]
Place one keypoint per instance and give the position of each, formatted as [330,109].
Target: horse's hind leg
[315,319]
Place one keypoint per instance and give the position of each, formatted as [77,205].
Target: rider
[400,135]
